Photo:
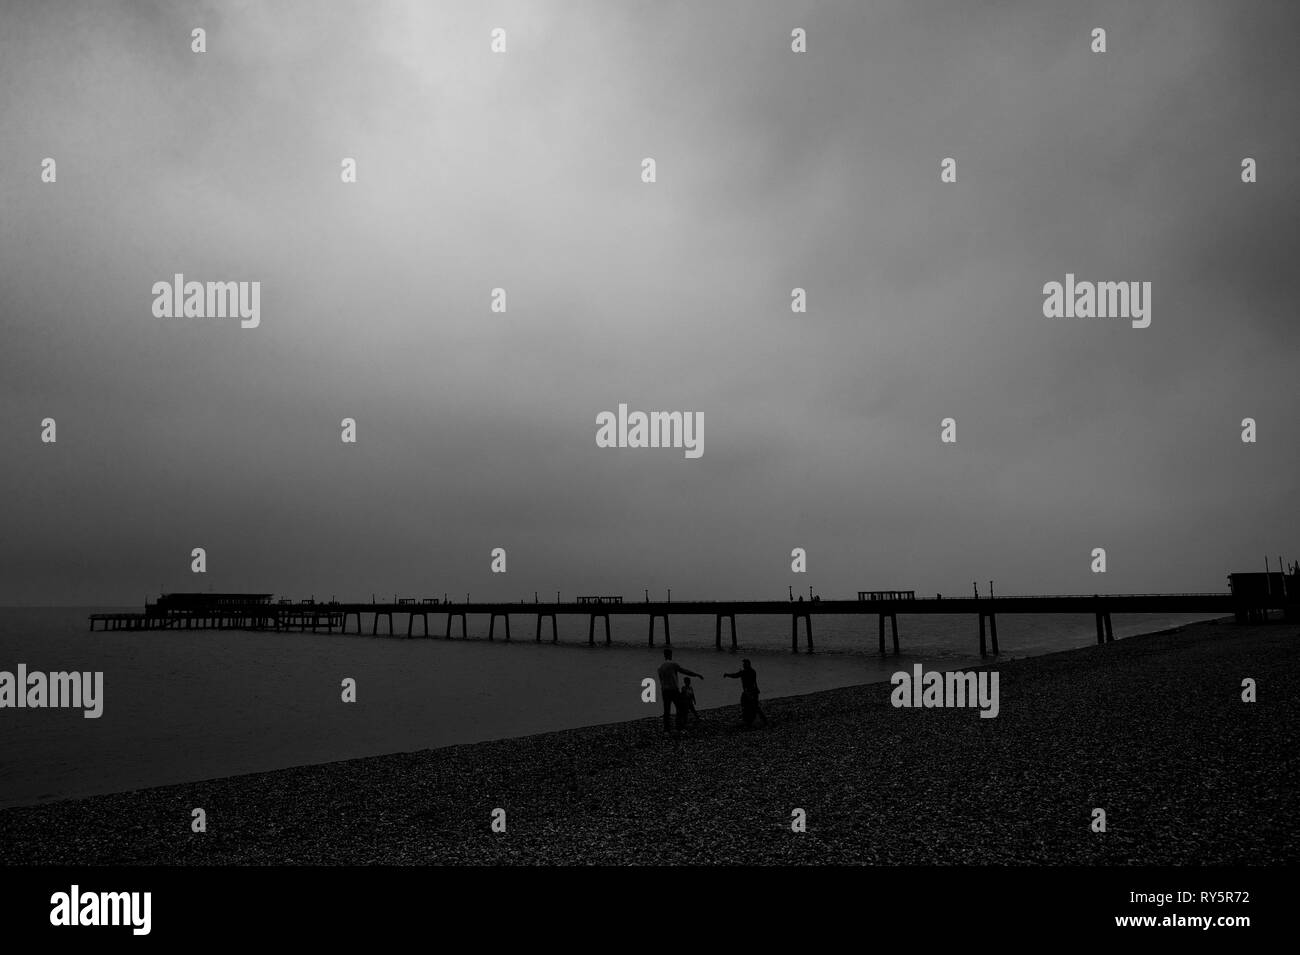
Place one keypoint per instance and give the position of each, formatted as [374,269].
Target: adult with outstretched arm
[749,707]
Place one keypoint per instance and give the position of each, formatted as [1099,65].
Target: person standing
[668,689]
[749,707]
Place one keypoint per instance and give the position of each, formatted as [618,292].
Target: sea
[180,706]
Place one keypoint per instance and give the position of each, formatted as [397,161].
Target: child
[688,699]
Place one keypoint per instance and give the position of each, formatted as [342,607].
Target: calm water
[182,706]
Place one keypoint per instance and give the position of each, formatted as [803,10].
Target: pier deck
[258,613]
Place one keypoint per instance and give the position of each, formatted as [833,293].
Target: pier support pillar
[452,616]
[492,623]
[555,636]
[983,647]
[1110,633]
[591,628]
[1101,631]
[668,637]
[893,629]
[993,632]
[794,631]
[717,630]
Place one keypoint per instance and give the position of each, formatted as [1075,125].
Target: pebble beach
[1152,729]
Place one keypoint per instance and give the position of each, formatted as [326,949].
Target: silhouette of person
[668,671]
[688,699]
[749,707]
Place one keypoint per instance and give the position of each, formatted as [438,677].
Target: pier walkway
[257,612]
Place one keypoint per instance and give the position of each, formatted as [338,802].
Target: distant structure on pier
[1251,589]
[190,602]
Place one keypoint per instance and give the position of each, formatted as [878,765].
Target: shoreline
[1151,728]
[228,703]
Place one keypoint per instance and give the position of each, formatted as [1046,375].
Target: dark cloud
[775,170]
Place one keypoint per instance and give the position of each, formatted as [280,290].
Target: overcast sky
[477,430]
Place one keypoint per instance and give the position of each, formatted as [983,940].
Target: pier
[260,612]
